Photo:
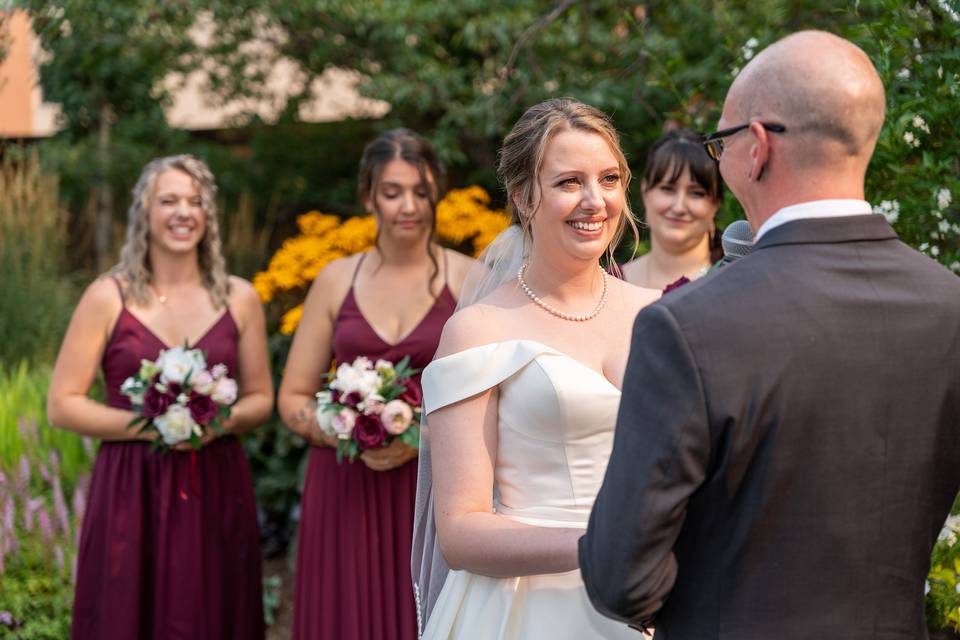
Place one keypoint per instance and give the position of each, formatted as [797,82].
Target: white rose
[362,363]
[350,379]
[133,389]
[175,364]
[225,391]
[345,380]
[175,425]
[324,398]
[369,383]
[325,421]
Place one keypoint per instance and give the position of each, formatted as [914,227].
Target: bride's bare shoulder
[633,297]
[478,324]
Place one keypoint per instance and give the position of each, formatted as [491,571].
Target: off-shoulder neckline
[544,347]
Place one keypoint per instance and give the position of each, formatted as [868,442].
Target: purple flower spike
[31,507]
[79,502]
[58,558]
[9,516]
[23,480]
[60,507]
[45,473]
[54,460]
[46,526]
[28,429]
[6,618]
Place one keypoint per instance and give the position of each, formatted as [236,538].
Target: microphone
[737,241]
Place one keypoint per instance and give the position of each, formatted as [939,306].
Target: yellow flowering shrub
[465,222]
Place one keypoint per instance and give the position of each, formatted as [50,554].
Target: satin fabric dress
[353,549]
[170,545]
[555,433]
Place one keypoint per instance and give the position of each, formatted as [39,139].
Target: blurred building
[24,114]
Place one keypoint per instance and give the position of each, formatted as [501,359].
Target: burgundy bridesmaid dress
[169,548]
[356,525]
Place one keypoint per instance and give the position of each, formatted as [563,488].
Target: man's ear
[759,151]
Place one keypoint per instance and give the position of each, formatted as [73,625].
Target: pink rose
[225,391]
[202,382]
[396,416]
[373,405]
[369,432]
[343,422]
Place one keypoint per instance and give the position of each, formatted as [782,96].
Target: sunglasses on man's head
[713,142]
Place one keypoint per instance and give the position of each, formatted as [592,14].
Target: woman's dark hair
[681,149]
[409,146]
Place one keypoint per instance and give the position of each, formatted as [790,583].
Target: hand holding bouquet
[368,406]
[179,398]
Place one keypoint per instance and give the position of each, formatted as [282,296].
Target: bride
[523,394]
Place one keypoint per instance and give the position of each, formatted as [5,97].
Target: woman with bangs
[682,191]
[170,543]
[356,518]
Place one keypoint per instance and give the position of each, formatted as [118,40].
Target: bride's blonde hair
[134,265]
[523,150]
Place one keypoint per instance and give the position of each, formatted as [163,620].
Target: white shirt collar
[814,209]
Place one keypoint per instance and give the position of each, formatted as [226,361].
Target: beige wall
[24,114]
[16,78]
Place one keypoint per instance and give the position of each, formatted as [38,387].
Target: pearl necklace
[561,314]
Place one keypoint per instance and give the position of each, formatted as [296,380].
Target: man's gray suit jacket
[788,444]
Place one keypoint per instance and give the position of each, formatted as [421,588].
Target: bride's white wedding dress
[556,420]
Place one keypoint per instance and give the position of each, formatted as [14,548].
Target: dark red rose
[413,396]
[369,433]
[352,399]
[335,396]
[676,285]
[155,403]
[202,408]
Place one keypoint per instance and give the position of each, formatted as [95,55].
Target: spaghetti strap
[446,263]
[123,299]
[356,269]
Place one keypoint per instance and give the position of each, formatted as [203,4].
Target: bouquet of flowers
[178,397]
[367,406]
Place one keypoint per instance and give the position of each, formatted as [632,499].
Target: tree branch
[530,31]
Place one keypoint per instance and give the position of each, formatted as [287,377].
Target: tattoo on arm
[306,417]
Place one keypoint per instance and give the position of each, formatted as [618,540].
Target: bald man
[788,443]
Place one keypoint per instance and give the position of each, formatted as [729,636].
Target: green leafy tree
[104,65]
[464,71]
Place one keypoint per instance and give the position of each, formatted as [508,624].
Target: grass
[25,433]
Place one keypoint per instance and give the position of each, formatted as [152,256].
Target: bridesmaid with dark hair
[170,544]
[682,192]
[353,551]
